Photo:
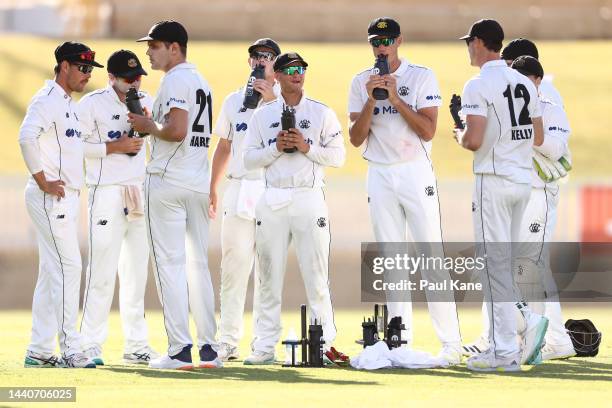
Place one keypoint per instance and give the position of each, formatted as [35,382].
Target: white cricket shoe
[260,358]
[227,352]
[165,362]
[209,357]
[479,346]
[486,362]
[143,356]
[78,360]
[95,354]
[560,352]
[452,354]
[38,360]
[533,338]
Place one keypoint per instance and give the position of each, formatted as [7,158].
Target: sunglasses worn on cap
[84,69]
[132,80]
[268,56]
[377,42]
[294,70]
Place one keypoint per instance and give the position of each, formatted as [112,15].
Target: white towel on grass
[379,356]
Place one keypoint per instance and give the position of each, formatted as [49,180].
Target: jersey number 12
[519,92]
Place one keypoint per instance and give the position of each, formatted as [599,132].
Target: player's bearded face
[76,79]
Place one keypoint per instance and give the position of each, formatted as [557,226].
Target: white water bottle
[291,336]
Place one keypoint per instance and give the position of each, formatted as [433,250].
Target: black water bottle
[315,344]
[288,122]
[132,101]
[381,67]
[251,95]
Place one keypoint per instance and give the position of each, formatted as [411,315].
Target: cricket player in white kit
[402,187]
[50,141]
[242,194]
[177,199]
[541,213]
[117,228]
[293,206]
[503,123]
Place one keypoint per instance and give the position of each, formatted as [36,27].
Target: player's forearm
[169,132]
[256,158]
[329,156]
[538,130]
[359,129]
[219,164]
[422,125]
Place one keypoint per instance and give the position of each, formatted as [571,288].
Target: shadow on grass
[239,373]
[572,369]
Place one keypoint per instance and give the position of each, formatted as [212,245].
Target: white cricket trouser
[305,221]
[498,208]
[537,228]
[177,223]
[403,201]
[115,244]
[55,307]
[238,259]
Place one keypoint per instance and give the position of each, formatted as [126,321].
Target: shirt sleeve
[556,133]
[330,151]
[429,92]
[473,100]
[175,95]
[356,99]
[256,153]
[223,125]
[35,122]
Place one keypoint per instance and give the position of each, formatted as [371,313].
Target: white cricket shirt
[232,124]
[321,129]
[391,140]
[103,119]
[508,100]
[183,164]
[556,137]
[52,119]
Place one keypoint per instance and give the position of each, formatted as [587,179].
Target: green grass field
[575,382]
[580,68]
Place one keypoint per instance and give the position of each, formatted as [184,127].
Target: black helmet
[585,337]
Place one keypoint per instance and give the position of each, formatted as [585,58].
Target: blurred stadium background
[575,47]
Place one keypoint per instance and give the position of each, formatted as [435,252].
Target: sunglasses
[257,55]
[84,69]
[377,42]
[293,70]
[131,80]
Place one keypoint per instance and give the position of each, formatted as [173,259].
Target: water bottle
[132,101]
[288,122]
[291,337]
[251,95]
[381,67]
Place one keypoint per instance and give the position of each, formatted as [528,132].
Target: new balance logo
[102,222]
[61,216]
[275,125]
[115,117]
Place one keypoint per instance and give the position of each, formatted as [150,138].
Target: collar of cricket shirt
[493,64]
[62,94]
[297,107]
